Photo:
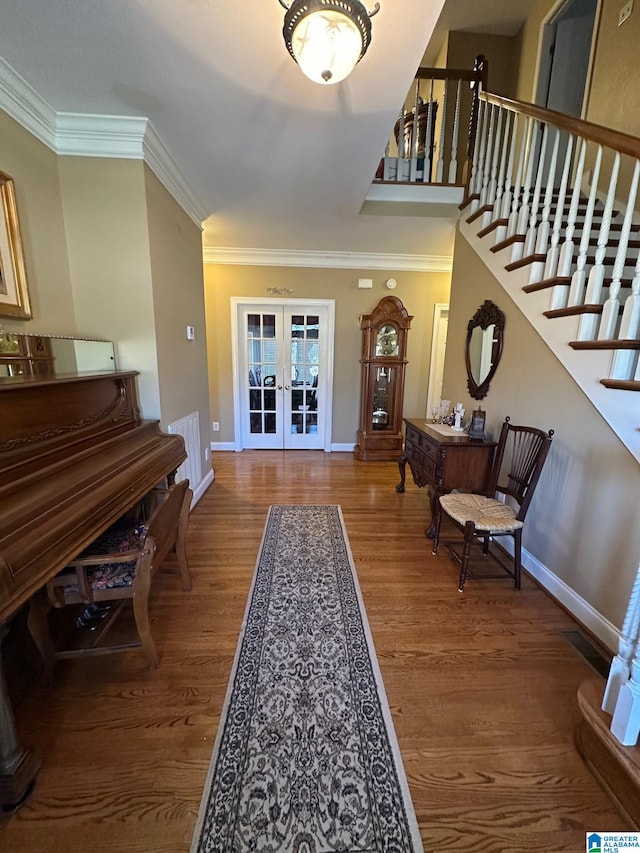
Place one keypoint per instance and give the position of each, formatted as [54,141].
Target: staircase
[551,211]
[548,202]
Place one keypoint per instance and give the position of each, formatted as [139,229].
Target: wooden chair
[516,469]
[118,566]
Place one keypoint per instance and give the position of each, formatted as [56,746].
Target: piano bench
[118,566]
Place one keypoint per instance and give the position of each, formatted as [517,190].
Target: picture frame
[477,425]
[14,293]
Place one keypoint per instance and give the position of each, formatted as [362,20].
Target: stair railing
[426,146]
[558,195]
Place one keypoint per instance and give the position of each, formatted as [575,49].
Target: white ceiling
[276,161]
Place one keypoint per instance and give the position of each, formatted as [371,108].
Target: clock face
[387,341]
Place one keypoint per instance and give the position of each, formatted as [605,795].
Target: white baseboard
[580,609]
[202,487]
[230,445]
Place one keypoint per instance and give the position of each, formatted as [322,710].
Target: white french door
[283,374]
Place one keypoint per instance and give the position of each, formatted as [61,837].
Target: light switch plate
[191,333]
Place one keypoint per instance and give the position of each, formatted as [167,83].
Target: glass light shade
[327,46]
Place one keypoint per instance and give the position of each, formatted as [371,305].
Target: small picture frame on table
[476,427]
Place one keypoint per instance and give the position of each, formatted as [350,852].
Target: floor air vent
[588,651]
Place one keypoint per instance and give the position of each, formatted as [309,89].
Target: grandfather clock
[384,348]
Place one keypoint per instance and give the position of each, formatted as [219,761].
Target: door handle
[286,387]
[279,387]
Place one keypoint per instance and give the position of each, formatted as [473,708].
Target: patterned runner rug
[306,759]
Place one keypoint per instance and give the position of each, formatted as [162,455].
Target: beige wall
[107,236]
[178,301]
[34,169]
[418,291]
[582,524]
[502,53]
[614,97]
[109,253]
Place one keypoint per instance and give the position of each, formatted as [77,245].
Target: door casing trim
[236,302]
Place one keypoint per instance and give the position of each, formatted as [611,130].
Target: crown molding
[21,101]
[165,169]
[87,135]
[337,260]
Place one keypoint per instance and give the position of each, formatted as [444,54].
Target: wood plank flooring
[482,685]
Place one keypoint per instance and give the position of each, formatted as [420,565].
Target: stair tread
[622,384]
[547,282]
[485,208]
[614,343]
[576,310]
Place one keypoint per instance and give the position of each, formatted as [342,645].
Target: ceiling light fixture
[327,38]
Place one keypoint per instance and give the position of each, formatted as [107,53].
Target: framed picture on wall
[14,294]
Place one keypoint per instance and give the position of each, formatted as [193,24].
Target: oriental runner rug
[305,759]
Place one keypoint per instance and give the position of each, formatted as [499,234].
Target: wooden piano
[74,456]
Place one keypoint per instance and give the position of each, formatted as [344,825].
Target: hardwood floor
[482,685]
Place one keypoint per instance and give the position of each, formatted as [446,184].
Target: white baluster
[530,238]
[494,213]
[596,274]
[484,192]
[517,188]
[579,277]
[523,215]
[611,308]
[621,663]
[568,247]
[453,164]
[507,195]
[443,123]
[625,361]
[545,225]
[553,255]
[625,725]
[493,181]
[476,149]
[478,155]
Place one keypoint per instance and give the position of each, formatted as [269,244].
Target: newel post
[622,693]
[479,85]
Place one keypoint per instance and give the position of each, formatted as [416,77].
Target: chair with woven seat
[519,458]
[119,565]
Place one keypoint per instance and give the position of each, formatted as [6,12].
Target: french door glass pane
[261,358]
[305,359]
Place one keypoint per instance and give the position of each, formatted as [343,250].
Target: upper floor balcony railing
[433,136]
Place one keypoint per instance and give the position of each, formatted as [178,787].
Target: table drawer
[422,466]
[429,447]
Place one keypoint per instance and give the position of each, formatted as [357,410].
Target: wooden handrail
[448,74]
[622,142]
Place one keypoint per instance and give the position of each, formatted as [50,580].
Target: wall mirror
[483,348]
[50,355]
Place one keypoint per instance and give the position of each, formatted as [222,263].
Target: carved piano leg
[402,465]
[18,765]
[40,634]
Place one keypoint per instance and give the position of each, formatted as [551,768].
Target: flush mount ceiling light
[327,38]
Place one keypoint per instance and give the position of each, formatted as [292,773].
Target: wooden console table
[443,460]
